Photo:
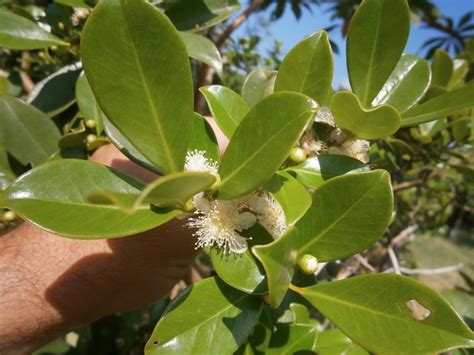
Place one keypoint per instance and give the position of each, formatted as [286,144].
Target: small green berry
[308,264]
[297,155]
[91,138]
[90,124]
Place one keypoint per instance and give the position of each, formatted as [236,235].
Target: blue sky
[290,31]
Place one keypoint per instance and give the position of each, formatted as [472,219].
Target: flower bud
[91,138]
[90,124]
[297,155]
[308,264]
[9,216]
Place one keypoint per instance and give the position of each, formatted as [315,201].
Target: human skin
[50,285]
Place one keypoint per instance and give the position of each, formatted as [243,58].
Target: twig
[405,233]
[436,271]
[394,260]
[26,81]
[406,185]
[364,263]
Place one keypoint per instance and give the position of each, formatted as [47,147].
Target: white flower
[196,161]
[79,15]
[310,144]
[269,213]
[325,116]
[355,148]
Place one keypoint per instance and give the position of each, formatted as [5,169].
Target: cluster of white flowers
[79,16]
[338,142]
[218,222]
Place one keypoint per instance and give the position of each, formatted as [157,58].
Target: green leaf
[142,84]
[375,41]
[258,84]
[315,170]
[16,32]
[407,85]
[372,123]
[74,3]
[196,15]
[292,196]
[27,133]
[333,342]
[203,49]
[126,147]
[300,336]
[53,196]
[171,190]
[362,212]
[463,303]
[88,104]
[204,138]
[374,311]
[260,338]
[227,107]
[277,121]
[441,106]
[442,68]
[208,317]
[308,68]
[278,259]
[242,271]
[6,173]
[461,68]
[56,93]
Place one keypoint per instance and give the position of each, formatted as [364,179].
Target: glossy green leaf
[299,336]
[278,259]
[407,85]
[208,317]
[75,138]
[376,38]
[460,70]
[463,303]
[126,147]
[315,170]
[203,49]
[372,123]
[440,106]
[6,173]
[242,271]
[4,85]
[331,231]
[227,107]
[260,338]
[277,121]
[56,93]
[374,310]
[53,196]
[142,84]
[442,68]
[334,342]
[171,190]
[204,138]
[27,133]
[196,15]
[292,196]
[258,84]
[16,32]
[308,68]
[88,104]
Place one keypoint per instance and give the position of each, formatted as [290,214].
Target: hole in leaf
[156,342]
[417,310]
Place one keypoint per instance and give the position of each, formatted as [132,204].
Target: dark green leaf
[441,106]
[6,173]
[53,196]
[279,259]
[372,123]
[27,133]
[334,342]
[88,104]
[227,107]
[208,317]
[292,196]
[390,314]
[277,121]
[260,338]
[16,32]
[349,214]
[57,92]
[203,49]
[204,138]
[375,41]
[308,68]
[242,271]
[314,171]
[258,84]
[143,83]
[406,85]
